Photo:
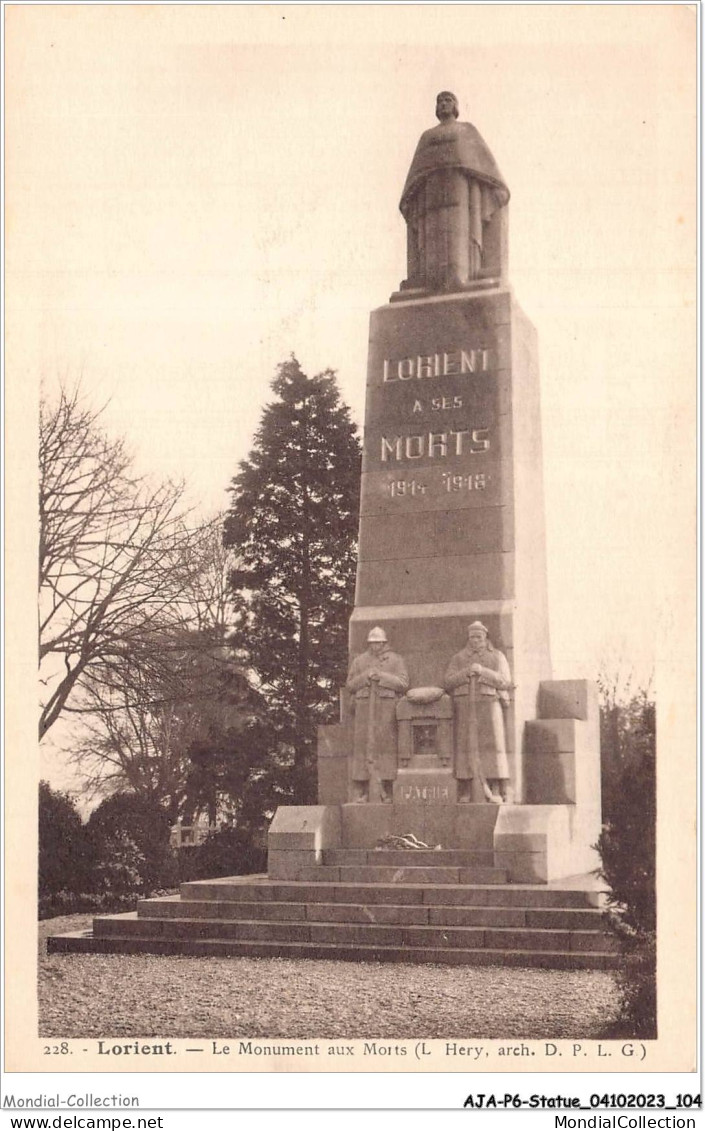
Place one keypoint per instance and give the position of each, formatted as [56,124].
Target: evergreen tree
[627,844]
[627,847]
[293,524]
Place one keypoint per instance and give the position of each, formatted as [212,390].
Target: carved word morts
[435,445]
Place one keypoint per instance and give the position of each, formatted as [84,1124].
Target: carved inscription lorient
[452,727]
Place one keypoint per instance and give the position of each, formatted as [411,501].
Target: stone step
[570,919]
[364,934]
[368,874]
[250,890]
[409,858]
[86,943]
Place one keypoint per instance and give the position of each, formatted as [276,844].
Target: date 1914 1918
[413,488]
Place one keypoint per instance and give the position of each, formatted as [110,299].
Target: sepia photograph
[351,420]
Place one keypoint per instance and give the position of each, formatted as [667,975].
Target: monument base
[525,843]
[551,836]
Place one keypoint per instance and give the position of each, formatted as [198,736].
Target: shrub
[64,852]
[130,838]
[636,982]
[121,868]
[227,852]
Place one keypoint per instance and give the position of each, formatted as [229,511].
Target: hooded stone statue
[451,200]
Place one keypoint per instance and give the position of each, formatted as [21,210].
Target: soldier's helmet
[376,634]
[477,626]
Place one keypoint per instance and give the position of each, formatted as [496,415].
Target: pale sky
[196,192]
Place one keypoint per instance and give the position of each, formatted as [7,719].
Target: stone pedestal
[452,531]
[425,744]
[451,512]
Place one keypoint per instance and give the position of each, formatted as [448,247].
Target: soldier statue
[479,679]
[377,678]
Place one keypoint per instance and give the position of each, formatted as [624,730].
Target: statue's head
[477,634]
[446,106]
[376,638]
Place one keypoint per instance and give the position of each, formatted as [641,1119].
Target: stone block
[318,874]
[461,937]
[469,577]
[461,897]
[439,825]
[334,740]
[338,856]
[550,779]
[562,766]
[109,926]
[524,842]
[382,893]
[599,941]
[355,934]
[411,875]
[474,826]
[297,837]
[546,828]
[410,818]
[496,875]
[568,919]
[385,914]
[168,906]
[524,867]
[313,827]
[551,736]
[189,929]
[478,916]
[567,699]
[523,939]
[450,858]
[287,865]
[334,746]
[393,537]
[364,824]
[262,910]
[308,892]
[215,890]
[274,932]
[333,775]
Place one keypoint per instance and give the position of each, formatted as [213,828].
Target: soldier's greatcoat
[492,687]
[375,745]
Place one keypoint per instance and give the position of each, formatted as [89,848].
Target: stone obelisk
[452,508]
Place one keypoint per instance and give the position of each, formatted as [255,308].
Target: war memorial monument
[459,795]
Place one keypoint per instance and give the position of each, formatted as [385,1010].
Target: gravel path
[95,995]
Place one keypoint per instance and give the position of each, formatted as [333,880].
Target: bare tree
[117,562]
[143,738]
